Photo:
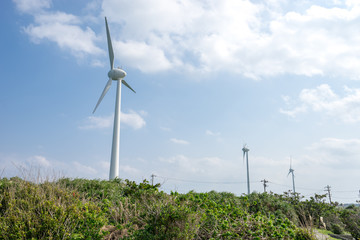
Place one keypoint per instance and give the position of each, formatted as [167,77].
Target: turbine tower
[246,152]
[115,74]
[292,173]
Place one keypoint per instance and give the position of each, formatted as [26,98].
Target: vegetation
[94,209]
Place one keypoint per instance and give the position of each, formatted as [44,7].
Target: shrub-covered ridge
[95,209]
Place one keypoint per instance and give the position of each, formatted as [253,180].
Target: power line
[346,191]
[284,185]
[196,181]
[263,182]
[342,197]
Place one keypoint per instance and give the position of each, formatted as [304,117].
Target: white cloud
[140,55]
[84,169]
[212,161]
[259,39]
[188,165]
[166,129]
[93,122]
[323,99]
[37,168]
[342,152]
[295,111]
[59,27]
[27,6]
[40,168]
[211,133]
[132,119]
[63,29]
[240,36]
[56,17]
[179,141]
[97,63]
[40,161]
[128,169]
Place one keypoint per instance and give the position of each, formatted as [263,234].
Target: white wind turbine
[292,173]
[115,74]
[246,152]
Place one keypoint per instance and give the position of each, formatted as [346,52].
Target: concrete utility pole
[152,179]
[327,188]
[264,183]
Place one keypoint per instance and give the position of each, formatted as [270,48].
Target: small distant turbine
[292,173]
[246,152]
[115,74]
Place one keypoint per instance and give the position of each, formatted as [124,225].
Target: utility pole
[152,179]
[264,183]
[327,188]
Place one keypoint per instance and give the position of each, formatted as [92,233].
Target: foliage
[46,211]
[351,219]
[117,209]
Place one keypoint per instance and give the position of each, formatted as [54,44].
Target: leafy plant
[117,209]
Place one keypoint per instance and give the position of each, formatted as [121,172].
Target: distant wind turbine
[246,152]
[115,74]
[292,173]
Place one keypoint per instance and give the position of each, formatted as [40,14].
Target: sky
[280,76]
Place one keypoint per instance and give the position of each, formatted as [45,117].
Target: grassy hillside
[94,209]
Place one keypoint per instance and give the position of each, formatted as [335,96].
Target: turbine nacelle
[116,74]
[291,170]
[245,149]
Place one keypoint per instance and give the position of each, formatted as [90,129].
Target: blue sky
[210,76]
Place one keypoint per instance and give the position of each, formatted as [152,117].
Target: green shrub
[351,219]
[117,209]
[336,228]
[46,211]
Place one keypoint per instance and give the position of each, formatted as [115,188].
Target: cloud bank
[254,40]
[323,99]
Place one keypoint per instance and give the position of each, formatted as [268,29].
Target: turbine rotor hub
[116,74]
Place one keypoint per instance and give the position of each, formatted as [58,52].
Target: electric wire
[316,191]
[197,181]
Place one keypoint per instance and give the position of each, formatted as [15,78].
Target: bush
[336,228]
[95,209]
[351,219]
[46,211]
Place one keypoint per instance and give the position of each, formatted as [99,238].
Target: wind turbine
[245,152]
[292,173]
[115,74]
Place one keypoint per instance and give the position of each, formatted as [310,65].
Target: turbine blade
[111,51]
[126,84]
[107,87]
